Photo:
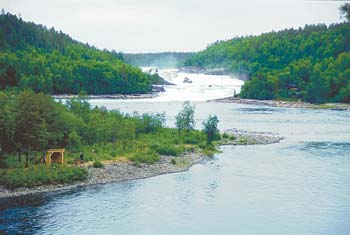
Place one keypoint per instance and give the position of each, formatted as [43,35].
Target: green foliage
[41,174]
[49,61]
[194,137]
[31,122]
[210,127]
[233,137]
[97,164]
[169,150]
[345,11]
[310,63]
[185,118]
[225,136]
[173,161]
[148,157]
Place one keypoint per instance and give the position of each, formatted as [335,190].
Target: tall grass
[40,175]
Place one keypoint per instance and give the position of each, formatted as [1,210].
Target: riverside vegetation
[30,123]
[310,63]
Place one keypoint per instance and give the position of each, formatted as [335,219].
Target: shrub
[203,144]
[168,150]
[148,157]
[40,175]
[232,137]
[173,161]
[97,164]
[225,136]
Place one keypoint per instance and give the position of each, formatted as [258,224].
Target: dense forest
[310,63]
[162,60]
[45,60]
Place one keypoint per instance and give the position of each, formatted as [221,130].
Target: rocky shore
[117,170]
[283,104]
[242,137]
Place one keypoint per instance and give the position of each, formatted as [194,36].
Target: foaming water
[202,87]
[300,186]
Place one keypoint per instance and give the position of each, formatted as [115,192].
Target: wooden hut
[55,156]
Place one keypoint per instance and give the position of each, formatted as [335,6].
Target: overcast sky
[169,25]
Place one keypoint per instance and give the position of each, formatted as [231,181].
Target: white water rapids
[203,87]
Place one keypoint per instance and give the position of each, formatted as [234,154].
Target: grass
[145,148]
[97,164]
[148,157]
[41,174]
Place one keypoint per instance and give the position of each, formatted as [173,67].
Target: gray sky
[169,25]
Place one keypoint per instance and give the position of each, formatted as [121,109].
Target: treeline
[45,60]
[162,59]
[32,122]
[310,63]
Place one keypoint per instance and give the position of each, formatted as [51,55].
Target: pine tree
[31,131]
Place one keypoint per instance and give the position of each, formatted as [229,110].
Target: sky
[133,26]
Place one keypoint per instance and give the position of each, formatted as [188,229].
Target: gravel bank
[250,138]
[116,171]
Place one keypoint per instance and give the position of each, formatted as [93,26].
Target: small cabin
[55,156]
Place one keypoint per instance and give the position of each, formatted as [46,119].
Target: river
[299,186]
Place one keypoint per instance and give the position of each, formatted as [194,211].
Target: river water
[299,186]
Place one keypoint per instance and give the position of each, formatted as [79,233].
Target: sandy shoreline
[284,104]
[117,171]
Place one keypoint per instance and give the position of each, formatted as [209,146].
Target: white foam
[203,87]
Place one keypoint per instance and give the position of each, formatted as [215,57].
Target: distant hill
[160,60]
[45,60]
[310,63]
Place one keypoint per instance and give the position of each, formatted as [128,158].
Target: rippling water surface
[299,186]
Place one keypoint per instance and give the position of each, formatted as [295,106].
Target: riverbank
[283,104]
[114,171]
[122,169]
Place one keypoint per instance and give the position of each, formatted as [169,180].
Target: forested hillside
[310,63]
[162,59]
[45,60]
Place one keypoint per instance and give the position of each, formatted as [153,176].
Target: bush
[233,137]
[195,137]
[203,144]
[148,157]
[173,161]
[225,136]
[168,150]
[97,164]
[40,175]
